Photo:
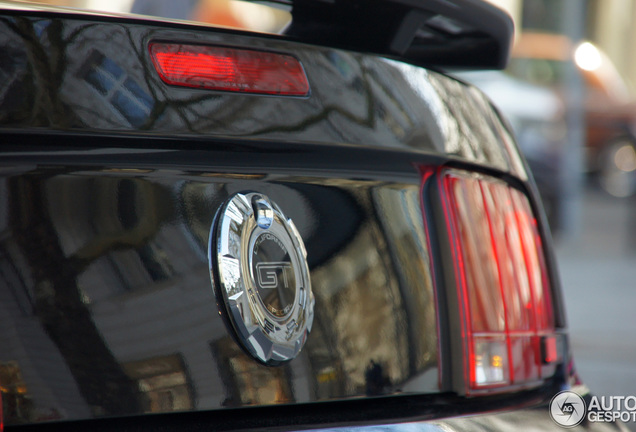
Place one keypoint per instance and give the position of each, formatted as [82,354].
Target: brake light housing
[229,69]
[503,289]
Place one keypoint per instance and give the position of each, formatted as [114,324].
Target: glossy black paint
[108,273]
[110,181]
[410,413]
[92,75]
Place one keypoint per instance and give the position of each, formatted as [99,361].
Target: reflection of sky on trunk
[456,129]
[418,80]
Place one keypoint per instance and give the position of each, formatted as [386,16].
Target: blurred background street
[580,143]
[598,272]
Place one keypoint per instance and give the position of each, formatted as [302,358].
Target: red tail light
[503,287]
[229,69]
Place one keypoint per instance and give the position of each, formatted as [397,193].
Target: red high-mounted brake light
[503,287]
[229,69]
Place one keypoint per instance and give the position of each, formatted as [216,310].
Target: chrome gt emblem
[263,278]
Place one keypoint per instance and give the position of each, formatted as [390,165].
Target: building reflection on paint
[135,288]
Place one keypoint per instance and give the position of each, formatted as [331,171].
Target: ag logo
[258,266]
[567,409]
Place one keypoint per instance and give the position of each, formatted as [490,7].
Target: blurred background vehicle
[536,116]
[608,102]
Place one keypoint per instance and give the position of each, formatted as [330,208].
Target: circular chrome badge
[263,277]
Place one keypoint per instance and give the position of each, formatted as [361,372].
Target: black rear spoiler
[447,35]
[443,34]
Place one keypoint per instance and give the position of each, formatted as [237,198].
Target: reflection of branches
[59,304]
[311,120]
[151,79]
[48,65]
[475,137]
[368,120]
[58,300]
[47,69]
[387,85]
[50,60]
[185,109]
